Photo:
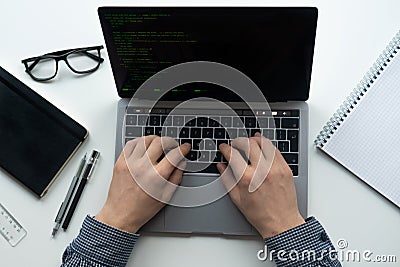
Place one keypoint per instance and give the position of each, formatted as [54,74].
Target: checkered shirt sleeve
[99,245]
[303,240]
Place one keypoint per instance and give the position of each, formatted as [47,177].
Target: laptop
[273,46]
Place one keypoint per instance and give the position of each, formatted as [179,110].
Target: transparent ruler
[10,228]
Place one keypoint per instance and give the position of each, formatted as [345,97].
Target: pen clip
[93,160]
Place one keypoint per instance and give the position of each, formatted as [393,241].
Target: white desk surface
[350,35]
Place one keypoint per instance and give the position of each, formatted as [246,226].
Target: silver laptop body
[221,216]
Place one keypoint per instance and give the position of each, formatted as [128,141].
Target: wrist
[279,226]
[115,221]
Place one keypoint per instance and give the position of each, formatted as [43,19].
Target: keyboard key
[184,133]
[132,131]
[195,132]
[158,131]
[268,133]
[232,133]
[204,156]
[293,136]
[242,132]
[210,145]
[148,130]
[281,134]
[291,158]
[208,132]
[212,155]
[250,122]
[142,119]
[295,170]
[283,146]
[201,122]
[192,155]
[290,123]
[166,120]
[178,120]
[154,120]
[190,121]
[226,121]
[218,157]
[262,122]
[274,143]
[172,132]
[277,122]
[213,122]
[196,144]
[131,120]
[237,122]
[219,133]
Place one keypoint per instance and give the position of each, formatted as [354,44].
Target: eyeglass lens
[45,68]
[84,61]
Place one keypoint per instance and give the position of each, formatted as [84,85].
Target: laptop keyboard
[205,133]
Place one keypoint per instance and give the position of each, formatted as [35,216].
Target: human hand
[128,207]
[266,197]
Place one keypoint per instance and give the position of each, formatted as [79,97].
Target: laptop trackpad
[220,216]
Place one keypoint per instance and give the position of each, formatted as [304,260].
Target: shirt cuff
[104,244]
[305,245]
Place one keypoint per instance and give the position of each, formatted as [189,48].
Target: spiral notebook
[364,133]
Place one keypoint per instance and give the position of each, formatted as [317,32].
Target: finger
[175,179]
[141,146]
[229,181]
[268,149]
[176,175]
[271,153]
[127,150]
[250,147]
[236,161]
[129,147]
[167,165]
[158,146]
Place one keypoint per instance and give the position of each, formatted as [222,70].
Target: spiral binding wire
[356,95]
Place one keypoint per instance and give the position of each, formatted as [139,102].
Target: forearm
[305,245]
[99,245]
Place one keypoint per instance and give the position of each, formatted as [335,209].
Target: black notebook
[36,138]
[363,135]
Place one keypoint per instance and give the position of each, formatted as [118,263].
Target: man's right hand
[270,207]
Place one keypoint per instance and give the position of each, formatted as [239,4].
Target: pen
[86,174]
[64,204]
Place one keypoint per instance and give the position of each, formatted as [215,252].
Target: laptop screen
[272,46]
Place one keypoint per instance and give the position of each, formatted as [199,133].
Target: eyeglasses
[79,60]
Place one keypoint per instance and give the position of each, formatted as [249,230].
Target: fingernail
[257,134]
[186,145]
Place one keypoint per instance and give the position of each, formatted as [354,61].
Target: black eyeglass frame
[62,55]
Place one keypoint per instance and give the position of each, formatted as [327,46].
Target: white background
[350,36]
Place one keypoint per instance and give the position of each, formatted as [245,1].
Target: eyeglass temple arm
[30,68]
[100,59]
